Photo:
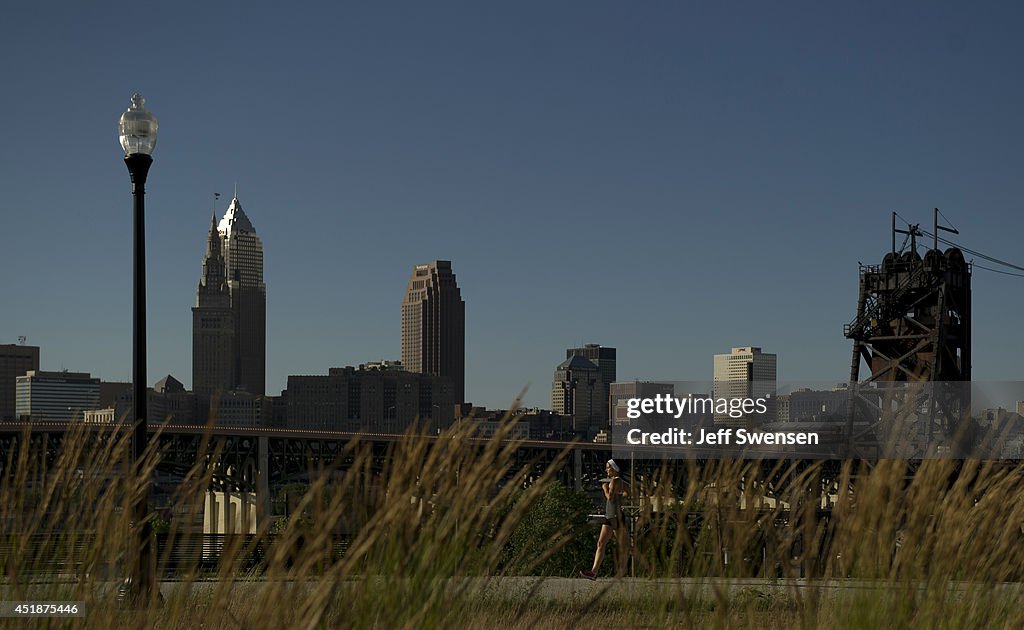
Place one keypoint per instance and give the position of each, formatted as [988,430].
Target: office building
[548,425]
[579,391]
[604,358]
[376,398]
[55,396]
[238,408]
[167,401]
[243,267]
[434,325]
[213,325]
[229,321]
[601,356]
[808,405]
[782,408]
[15,361]
[620,393]
[172,402]
[745,372]
[112,393]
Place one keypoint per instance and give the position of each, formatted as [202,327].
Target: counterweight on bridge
[913,326]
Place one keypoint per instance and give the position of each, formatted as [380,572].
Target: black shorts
[612,522]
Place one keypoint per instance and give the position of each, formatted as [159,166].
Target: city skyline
[619,175]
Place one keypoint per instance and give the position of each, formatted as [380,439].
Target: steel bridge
[250,459]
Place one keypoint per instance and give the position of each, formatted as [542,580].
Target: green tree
[553,537]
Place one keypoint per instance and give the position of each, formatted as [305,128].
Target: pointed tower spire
[234,220]
[213,239]
[213,324]
[213,278]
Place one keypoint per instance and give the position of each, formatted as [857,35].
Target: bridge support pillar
[262,479]
[577,469]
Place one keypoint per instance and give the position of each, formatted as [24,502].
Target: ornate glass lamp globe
[138,128]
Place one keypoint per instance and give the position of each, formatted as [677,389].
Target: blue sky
[669,179]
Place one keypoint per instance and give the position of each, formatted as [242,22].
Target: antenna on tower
[935,224]
[913,231]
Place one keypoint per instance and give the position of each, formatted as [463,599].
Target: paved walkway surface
[609,588]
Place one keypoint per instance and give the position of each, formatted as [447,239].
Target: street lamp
[137,131]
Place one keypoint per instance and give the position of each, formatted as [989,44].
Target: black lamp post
[137,130]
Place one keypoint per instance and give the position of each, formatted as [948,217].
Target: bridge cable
[968,250]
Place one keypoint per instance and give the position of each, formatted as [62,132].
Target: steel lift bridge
[913,333]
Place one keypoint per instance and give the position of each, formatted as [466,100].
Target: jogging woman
[614,490]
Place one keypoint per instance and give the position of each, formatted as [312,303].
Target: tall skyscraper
[434,325]
[601,356]
[229,321]
[15,361]
[243,267]
[213,326]
[579,391]
[745,373]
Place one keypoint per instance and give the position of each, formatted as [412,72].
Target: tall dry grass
[429,531]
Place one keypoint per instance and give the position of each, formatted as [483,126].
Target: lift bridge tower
[913,333]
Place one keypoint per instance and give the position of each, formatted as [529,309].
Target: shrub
[553,536]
